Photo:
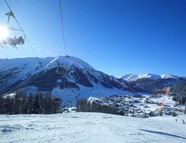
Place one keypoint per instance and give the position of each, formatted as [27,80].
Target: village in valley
[143,105]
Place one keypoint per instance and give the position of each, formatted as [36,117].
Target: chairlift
[63,68]
[12,40]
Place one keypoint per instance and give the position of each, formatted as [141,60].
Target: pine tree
[48,104]
[45,105]
[24,109]
[93,107]
[16,105]
[78,106]
[42,106]
[98,107]
[83,105]
[7,105]
[88,107]
[1,105]
[36,105]
[30,104]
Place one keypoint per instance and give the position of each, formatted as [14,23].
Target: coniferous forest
[179,92]
[22,104]
[83,106]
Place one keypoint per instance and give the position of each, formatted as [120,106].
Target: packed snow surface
[91,128]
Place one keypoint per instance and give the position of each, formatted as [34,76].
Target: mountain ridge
[133,77]
[27,76]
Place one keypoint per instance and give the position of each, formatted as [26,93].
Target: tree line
[22,104]
[179,93]
[83,106]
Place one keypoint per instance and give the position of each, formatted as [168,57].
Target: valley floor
[91,128]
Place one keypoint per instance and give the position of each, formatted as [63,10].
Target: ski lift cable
[63,38]
[23,32]
[26,83]
[60,5]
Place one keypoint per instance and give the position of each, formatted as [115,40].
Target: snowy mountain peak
[67,61]
[133,77]
[149,76]
[129,77]
[75,62]
[27,76]
[164,76]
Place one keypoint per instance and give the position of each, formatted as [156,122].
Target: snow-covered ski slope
[91,128]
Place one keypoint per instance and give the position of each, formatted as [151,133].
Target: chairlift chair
[13,40]
[57,99]
[64,68]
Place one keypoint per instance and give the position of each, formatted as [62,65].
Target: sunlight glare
[4,33]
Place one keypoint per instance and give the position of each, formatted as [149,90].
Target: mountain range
[72,78]
[134,77]
[83,81]
[151,82]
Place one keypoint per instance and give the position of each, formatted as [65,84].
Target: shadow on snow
[162,133]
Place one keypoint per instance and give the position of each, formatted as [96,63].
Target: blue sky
[114,36]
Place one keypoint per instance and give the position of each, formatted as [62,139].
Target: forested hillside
[179,92]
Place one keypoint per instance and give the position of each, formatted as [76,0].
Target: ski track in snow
[90,128]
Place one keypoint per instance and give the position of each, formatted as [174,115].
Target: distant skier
[183,121]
